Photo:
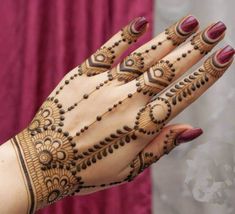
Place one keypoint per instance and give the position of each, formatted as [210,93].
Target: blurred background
[42,40]
[200,177]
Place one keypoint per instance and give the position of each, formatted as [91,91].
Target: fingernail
[225,55]
[215,31]
[140,24]
[189,135]
[189,24]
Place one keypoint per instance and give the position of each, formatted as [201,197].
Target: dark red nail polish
[140,24]
[189,135]
[189,24]
[216,30]
[225,55]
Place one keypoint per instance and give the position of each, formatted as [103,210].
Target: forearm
[13,194]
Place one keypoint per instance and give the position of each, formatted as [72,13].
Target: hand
[103,125]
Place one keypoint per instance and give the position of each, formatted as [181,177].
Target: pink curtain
[40,40]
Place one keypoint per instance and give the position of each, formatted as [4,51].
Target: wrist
[13,194]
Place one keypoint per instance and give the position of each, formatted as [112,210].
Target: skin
[90,105]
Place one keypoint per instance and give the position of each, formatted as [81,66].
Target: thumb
[170,137]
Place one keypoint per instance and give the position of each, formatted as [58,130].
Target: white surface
[200,177]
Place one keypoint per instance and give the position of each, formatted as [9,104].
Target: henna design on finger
[163,73]
[185,88]
[133,66]
[134,30]
[141,162]
[99,62]
[156,78]
[146,158]
[163,107]
[206,40]
[181,30]
[104,57]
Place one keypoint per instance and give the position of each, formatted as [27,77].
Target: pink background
[39,42]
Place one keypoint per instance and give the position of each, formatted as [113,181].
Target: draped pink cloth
[40,41]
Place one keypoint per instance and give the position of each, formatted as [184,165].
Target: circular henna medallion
[160,111]
[45,157]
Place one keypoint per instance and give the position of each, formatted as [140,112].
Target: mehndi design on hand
[94,130]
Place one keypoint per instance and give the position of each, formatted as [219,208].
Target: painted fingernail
[216,30]
[189,135]
[225,55]
[140,24]
[189,24]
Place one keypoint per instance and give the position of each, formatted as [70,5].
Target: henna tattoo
[49,156]
[146,158]
[98,62]
[141,162]
[157,77]
[176,34]
[67,81]
[202,43]
[51,169]
[185,88]
[134,30]
[105,147]
[99,117]
[131,67]
[49,114]
[104,57]
[213,68]
[148,122]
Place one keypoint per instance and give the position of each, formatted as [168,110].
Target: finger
[145,56]
[170,137]
[172,66]
[103,58]
[183,92]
